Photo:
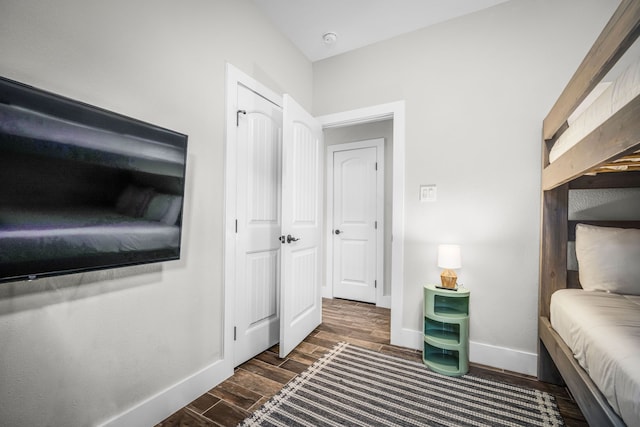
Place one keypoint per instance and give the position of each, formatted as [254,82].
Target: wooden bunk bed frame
[615,139]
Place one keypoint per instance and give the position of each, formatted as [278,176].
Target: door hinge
[238,116]
[375,225]
[376,165]
[375,284]
[236,226]
[234,333]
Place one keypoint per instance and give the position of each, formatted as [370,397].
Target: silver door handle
[291,238]
[282,239]
[338,231]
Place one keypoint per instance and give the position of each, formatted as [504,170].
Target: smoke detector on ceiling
[329,38]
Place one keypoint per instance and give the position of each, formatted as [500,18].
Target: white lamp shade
[449,257]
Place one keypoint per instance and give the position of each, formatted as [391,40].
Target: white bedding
[603,331]
[613,97]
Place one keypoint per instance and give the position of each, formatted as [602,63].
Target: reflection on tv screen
[83,188]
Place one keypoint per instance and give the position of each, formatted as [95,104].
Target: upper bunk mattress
[603,331]
[591,114]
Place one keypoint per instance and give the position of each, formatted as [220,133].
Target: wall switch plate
[428,193]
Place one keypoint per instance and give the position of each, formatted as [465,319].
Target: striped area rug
[351,386]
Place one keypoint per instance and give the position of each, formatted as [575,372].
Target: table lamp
[449,259]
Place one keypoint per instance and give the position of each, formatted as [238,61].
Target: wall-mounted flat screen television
[82,188]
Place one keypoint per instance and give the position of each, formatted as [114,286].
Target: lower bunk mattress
[60,233]
[603,331]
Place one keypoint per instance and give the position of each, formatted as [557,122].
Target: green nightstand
[446,330]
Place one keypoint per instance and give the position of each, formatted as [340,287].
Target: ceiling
[358,23]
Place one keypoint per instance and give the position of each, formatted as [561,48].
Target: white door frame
[377,143]
[234,77]
[395,110]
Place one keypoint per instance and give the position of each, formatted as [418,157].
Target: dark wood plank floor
[366,325]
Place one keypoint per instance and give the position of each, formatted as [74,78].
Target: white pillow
[164,208]
[608,259]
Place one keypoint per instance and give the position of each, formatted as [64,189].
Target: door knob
[337,231]
[282,239]
[291,238]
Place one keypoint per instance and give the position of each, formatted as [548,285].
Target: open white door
[301,268]
[259,133]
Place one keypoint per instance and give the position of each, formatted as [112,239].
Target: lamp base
[449,279]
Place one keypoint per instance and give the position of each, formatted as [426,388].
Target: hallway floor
[365,325]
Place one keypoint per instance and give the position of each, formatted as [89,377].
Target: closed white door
[355,224]
[258,210]
[301,226]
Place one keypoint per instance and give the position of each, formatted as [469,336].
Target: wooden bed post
[553,266]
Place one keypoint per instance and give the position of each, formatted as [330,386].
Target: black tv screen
[82,188]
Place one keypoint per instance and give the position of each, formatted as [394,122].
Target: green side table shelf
[446,330]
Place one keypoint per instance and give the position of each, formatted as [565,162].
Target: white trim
[234,78]
[410,338]
[375,113]
[378,144]
[395,111]
[504,358]
[483,354]
[158,407]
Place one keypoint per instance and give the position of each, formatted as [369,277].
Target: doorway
[394,111]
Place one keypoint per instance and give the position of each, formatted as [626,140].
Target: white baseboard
[483,354]
[155,409]
[408,338]
[503,358]
[384,302]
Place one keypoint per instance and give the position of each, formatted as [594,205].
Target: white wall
[79,350]
[476,91]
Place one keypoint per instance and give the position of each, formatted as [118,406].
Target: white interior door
[301,300]
[258,210]
[355,224]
